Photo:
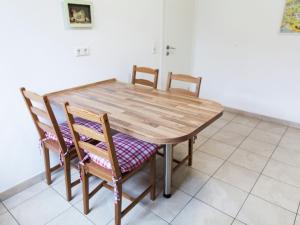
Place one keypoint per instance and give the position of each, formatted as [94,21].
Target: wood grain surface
[151,115]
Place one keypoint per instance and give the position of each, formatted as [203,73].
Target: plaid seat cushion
[131,152]
[66,133]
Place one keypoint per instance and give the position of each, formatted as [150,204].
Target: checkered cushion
[131,152]
[66,133]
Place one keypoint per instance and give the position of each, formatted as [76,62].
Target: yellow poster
[291,17]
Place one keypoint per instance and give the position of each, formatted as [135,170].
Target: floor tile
[259,212]
[238,128]
[237,222]
[209,131]
[198,213]
[228,137]
[289,156]
[199,141]
[237,176]
[159,166]
[180,151]
[206,163]
[222,196]
[283,172]
[293,132]
[258,147]
[101,207]
[189,180]
[26,194]
[138,184]
[2,209]
[77,190]
[70,217]
[264,136]
[290,143]
[219,123]
[169,208]
[217,149]
[44,206]
[248,160]
[246,120]
[228,115]
[7,219]
[58,176]
[279,193]
[272,127]
[140,216]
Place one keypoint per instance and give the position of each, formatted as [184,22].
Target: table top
[151,115]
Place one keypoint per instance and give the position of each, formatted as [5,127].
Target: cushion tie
[62,156]
[116,191]
[41,143]
[82,163]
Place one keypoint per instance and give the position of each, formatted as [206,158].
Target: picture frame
[291,17]
[79,13]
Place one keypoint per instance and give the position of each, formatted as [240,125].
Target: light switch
[154,49]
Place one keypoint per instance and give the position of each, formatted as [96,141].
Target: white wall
[37,52]
[246,63]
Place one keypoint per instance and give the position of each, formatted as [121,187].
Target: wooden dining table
[151,115]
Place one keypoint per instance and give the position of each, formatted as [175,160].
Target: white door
[178,35]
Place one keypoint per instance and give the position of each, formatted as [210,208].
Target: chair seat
[66,133]
[131,152]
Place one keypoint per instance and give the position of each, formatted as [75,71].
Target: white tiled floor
[245,172]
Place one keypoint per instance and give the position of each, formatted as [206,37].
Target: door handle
[170,47]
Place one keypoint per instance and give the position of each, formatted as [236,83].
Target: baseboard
[263,117]
[22,186]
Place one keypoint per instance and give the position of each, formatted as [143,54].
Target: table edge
[155,140]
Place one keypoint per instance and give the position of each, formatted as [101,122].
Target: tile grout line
[50,220]
[211,176]
[248,193]
[260,174]
[280,181]
[10,213]
[27,199]
[72,205]
[296,214]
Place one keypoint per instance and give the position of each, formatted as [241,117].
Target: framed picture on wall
[79,13]
[291,17]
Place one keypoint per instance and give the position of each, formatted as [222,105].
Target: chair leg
[153,178]
[67,170]
[118,206]
[47,165]
[190,152]
[85,191]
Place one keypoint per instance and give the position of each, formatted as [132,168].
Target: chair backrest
[186,79]
[146,70]
[43,116]
[105,137]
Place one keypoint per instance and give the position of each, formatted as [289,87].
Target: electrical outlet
[82,51]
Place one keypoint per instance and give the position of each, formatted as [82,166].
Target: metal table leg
[168,158]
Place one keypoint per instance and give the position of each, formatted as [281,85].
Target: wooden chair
[153,72]
[186,79]
[46,125]
[180,91]
[110,159]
